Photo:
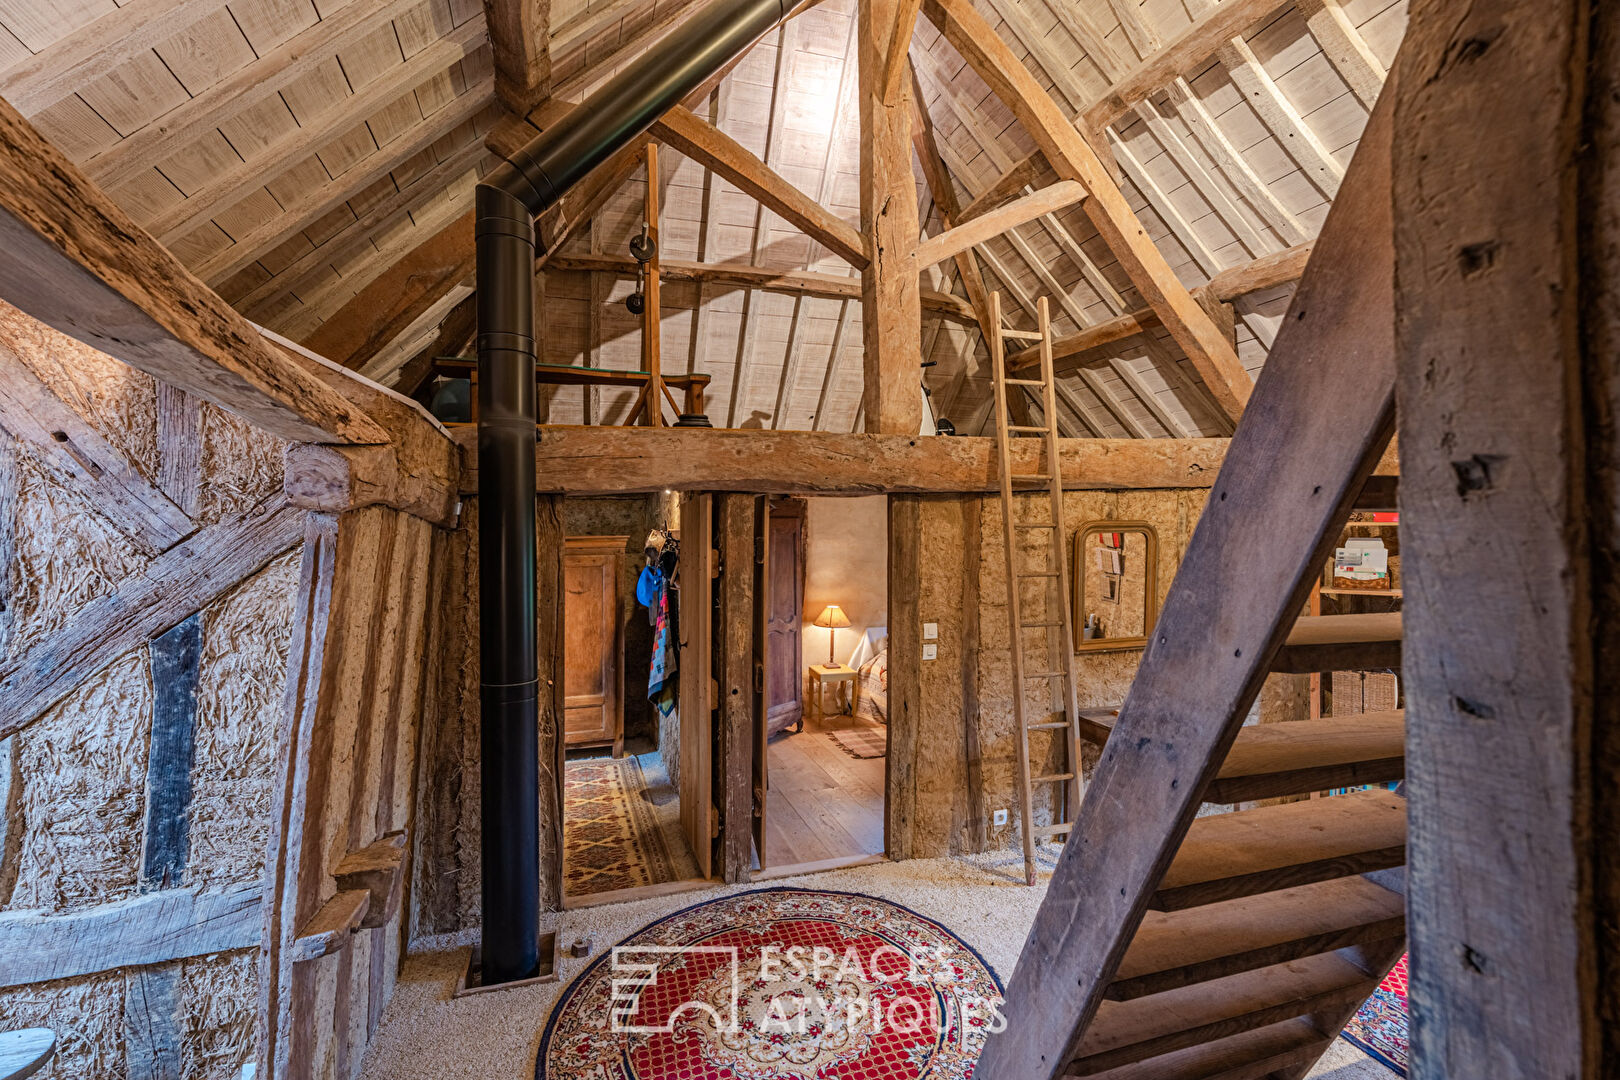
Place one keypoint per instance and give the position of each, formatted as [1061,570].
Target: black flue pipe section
[507,202]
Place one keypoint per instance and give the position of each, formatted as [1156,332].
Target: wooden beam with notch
[1073,158]
[70,257]
[685,131]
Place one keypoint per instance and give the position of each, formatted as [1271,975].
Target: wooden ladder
[1050,615]
[1174,946]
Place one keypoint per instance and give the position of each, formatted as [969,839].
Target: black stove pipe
[507,202]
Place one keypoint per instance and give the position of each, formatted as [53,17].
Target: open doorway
[824,601]
[623,834]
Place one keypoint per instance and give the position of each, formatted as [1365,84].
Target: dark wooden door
[784,615]
[592,654]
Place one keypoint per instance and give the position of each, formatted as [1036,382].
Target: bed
[871,663]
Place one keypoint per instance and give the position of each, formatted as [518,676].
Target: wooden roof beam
[227,188]
[233,95]
[1000,220]
[57,71]
[938,178]
[520,38]
[397,297]
[1208,349]
[742,276]
[328,197]
[683,130]
[1278,268]
[1200,41]
[72,259]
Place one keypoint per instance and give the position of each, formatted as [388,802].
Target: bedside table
[839,678]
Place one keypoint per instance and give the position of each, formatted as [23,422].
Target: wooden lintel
[611,460]
[70,257]
[1002,219]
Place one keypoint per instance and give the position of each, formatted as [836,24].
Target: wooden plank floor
[822,803]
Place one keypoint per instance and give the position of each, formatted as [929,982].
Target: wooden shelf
[1396,593]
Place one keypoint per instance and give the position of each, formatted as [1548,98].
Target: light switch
[930,652]
[930,631]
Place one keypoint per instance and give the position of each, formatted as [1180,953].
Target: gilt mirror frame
[1150,588]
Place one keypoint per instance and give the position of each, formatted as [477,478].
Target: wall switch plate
[930,652]
[930,631]
[999,817]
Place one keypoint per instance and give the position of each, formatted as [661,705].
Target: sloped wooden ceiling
[291,151]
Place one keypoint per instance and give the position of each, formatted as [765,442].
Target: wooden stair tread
[1248,1055]
[1379,493]
[1126,1031]
[1178,948]
[1268,760]
[1341,643]
[1278,847]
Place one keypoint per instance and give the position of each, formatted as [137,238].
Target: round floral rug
[778,984]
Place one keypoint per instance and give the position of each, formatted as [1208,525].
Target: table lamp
[832,617]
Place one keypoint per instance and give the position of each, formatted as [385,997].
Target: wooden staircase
[1235,946]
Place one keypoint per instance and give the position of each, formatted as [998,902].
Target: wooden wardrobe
[593,656]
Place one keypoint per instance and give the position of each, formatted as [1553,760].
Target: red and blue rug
[777,984]
[1379,1027]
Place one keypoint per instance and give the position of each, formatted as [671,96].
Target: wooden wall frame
[1150,588]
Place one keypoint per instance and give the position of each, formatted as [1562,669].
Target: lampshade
[833,616]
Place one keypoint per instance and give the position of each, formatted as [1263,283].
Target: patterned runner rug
[777,984]
[1379,1026]
[611,838]
[863,742]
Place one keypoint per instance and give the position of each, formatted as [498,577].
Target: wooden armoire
[593,656]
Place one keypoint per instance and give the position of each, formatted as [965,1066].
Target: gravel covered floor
[495,1035]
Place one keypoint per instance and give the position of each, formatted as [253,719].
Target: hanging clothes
[654,592]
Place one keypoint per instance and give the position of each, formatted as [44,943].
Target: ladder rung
[1051,830]
[1021,335]
[1034,625]
[1024,382]
[1037,573]
[1030,476]
[1054,778]
[1043,674]
[1033,525]
[1051,725]
[1020,427]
